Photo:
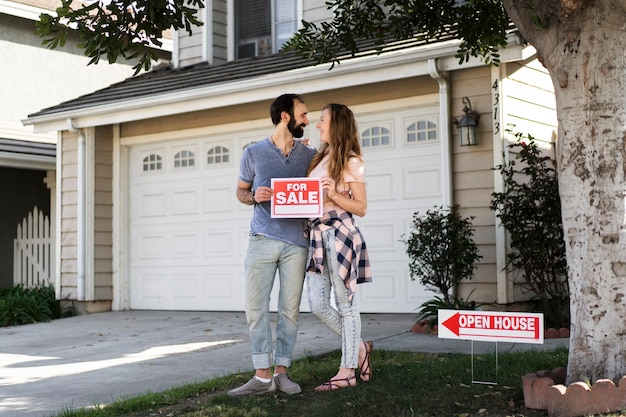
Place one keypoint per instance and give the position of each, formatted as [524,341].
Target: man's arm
[244,193]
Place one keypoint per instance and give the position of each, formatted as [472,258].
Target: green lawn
[403,384]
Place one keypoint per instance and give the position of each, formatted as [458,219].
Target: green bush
[529,209]
[441,250]
[24,305]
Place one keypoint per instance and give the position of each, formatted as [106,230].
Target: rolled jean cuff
[282,361]
[262,360]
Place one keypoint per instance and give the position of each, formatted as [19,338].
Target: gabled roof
[168,79]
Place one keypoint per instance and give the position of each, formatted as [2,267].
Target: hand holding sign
[296,197]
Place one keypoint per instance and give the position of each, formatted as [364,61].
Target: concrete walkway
[80,361]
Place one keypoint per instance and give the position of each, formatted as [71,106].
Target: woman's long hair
[344,141]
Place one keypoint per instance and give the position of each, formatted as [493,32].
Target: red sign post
[297,197]
[491,326]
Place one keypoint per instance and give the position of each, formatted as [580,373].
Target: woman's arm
[356,205]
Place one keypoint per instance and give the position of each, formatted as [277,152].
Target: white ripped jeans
[345,320]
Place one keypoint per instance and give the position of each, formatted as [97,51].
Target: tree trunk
[582,44]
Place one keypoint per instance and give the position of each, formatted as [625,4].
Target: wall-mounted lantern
[467,125]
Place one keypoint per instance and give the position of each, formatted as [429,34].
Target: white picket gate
[31,251]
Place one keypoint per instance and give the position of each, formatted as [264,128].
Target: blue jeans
[345,320]
[265,256]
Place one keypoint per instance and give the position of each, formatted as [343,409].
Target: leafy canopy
[127,28]
[480,24]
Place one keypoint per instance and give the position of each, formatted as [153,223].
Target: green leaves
[441,249]
[529,208]
[480,24]
[24,305]
[123,28]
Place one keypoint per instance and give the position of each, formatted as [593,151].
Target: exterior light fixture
[467,125]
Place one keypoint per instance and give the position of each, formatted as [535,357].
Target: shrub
[529,208]
[24,305]
[442,252]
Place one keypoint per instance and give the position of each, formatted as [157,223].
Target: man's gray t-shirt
[263,161]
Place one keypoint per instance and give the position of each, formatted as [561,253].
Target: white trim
[89,199]
[207,33]
[362,70]
[444,132]
[121,278]
[504,288]
[57,220]
[176,49]
[14,160]
[22,10]
[230,30]
[51,182]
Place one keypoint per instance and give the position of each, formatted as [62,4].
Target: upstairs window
[263,26]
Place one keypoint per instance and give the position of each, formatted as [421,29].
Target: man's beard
[296,130]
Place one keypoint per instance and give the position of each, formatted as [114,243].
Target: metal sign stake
[484,382]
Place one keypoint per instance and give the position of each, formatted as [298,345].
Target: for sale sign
[297,197]
[491,326]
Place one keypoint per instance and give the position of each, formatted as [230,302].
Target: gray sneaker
[253,387]
[286,385]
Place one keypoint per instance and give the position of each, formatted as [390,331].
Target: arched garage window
[184,159]
[421,132]
[217,155]
[152,162]
[375,136]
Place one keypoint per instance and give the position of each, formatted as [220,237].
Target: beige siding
[102,221]
[220,32]
[316,11]
[68,193]
[473,178]
[528,103]
[529,100]
[190,46]
[103,214]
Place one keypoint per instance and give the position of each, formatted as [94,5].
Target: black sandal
[365,367]
[332,384]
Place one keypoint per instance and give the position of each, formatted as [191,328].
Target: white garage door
[188,232]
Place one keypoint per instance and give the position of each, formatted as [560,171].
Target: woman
[338,256]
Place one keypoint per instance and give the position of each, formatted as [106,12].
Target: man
[274,244]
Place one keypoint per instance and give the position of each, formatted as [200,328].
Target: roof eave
[23,161]
[409,62]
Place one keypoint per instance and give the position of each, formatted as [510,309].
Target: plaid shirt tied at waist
[352,256]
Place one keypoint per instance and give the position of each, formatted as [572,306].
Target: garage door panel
[422,183]
[151,204]
[391,291]
[185,244]
[220,243]
[380,236]
[187,289]
[184,202]
[218,199]
[150,246]
[383,293]
[380,187]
